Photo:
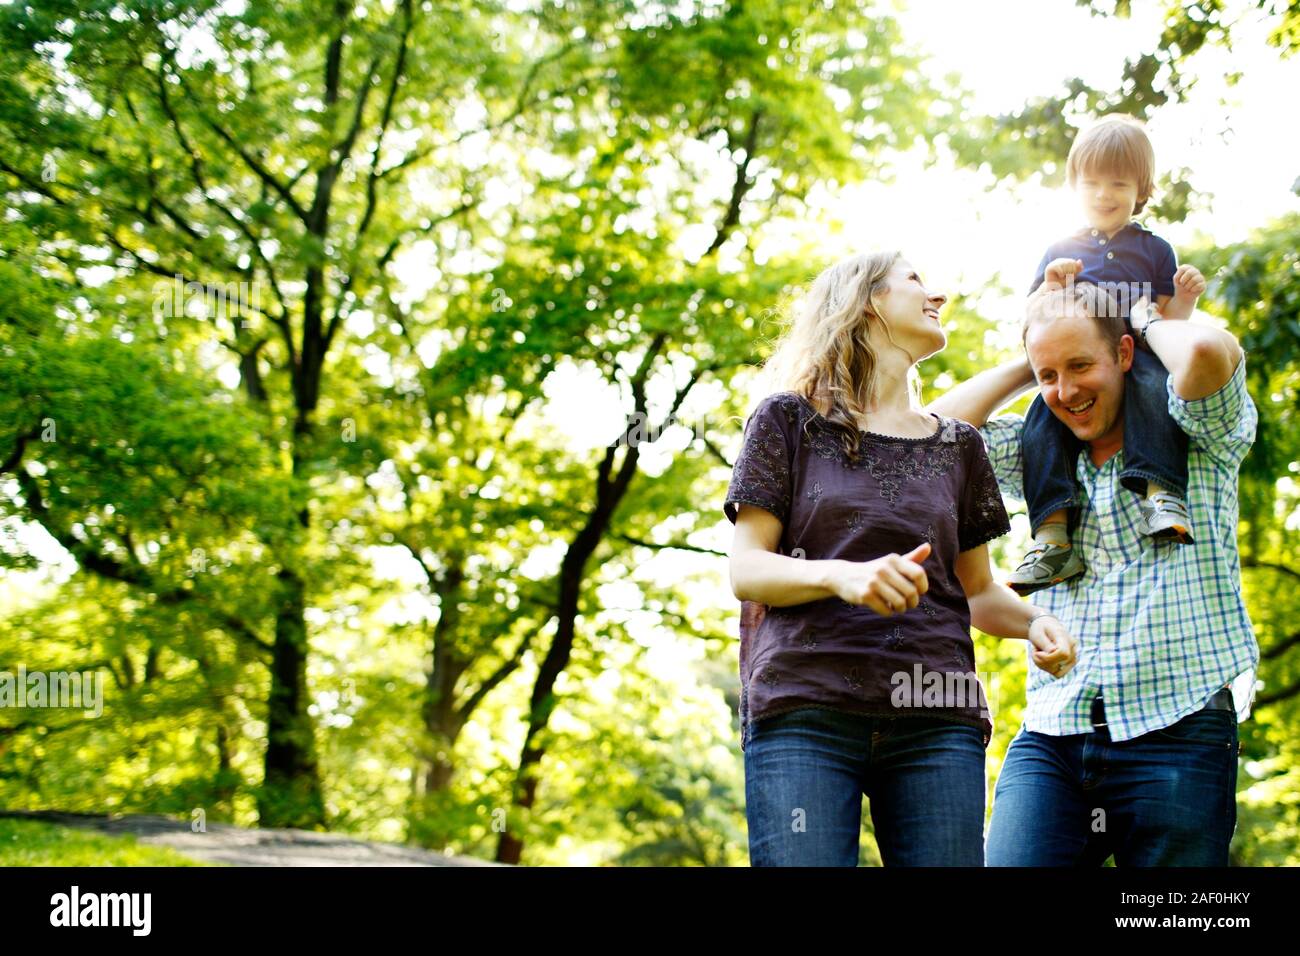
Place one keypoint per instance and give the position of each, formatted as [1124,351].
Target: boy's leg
[1050,454]
[1155,448]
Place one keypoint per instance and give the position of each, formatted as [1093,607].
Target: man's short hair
[1118,143]
[1098,304]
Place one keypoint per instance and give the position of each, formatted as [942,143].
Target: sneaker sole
[1031,588]
[1175,533]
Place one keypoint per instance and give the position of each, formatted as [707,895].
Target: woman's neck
[892,401]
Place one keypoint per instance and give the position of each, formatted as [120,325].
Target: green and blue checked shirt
[1161,626]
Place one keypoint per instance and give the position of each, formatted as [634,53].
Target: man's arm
[1200,358]
[977,398]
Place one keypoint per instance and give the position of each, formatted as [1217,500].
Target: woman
[861,554]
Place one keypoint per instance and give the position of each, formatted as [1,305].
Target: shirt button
[1101,242]
[1094,232]
[1110,255]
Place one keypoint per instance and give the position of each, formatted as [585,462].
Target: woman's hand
[1054,646]
[889,585]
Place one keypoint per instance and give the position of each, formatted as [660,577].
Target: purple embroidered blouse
[901,491]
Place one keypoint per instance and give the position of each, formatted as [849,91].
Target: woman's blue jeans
[807,770]
[1155,448]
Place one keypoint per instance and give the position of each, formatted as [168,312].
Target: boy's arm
[977,398]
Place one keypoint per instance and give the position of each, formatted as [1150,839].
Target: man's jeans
[807,770]
[1167,798]
[1155,448]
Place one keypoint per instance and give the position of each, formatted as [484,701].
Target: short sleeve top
[1134,263]
[899,492]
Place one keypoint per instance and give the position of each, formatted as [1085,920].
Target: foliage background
[355,544]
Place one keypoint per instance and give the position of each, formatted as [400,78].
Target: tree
[239,151]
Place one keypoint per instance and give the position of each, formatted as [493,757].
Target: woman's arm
[889,585]
[759,574]
[995,609]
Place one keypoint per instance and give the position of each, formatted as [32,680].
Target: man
[1149,774]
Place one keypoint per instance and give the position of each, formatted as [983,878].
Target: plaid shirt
[1161,626]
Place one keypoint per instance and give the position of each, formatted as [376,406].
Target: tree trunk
[291,792]
[442,720]
[611,489]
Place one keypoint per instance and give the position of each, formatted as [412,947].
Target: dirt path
[236,846]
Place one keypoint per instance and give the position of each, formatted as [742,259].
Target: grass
[31,843]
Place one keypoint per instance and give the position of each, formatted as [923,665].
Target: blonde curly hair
[825,353]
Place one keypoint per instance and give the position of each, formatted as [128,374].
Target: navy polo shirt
[1132,263]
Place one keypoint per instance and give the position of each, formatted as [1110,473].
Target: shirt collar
[1087,232]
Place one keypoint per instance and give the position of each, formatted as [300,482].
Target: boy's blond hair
[1115,143]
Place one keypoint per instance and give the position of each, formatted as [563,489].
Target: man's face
[1081,379]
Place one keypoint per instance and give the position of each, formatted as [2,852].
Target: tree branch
[1281,647]
[1284,693]
[507,667]
[672,545]
[109,569]
[739,188]
[1251,562]
[251,161]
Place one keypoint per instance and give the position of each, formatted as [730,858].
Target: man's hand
[1058,270]
[1054,646]
[1189,284]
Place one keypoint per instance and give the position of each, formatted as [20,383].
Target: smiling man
[1149,774]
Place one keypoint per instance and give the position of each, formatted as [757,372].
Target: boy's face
[1108,198]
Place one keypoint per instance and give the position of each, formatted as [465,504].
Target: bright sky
[1244,152]
[960,231]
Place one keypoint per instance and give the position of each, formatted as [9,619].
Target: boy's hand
[1188,286]
[1188,282]
[1058,269]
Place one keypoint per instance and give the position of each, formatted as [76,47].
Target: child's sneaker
[1044,566]
[1165,516]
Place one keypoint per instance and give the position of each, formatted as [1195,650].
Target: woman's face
[911,312]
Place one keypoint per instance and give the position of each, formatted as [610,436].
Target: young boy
[1111,168]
